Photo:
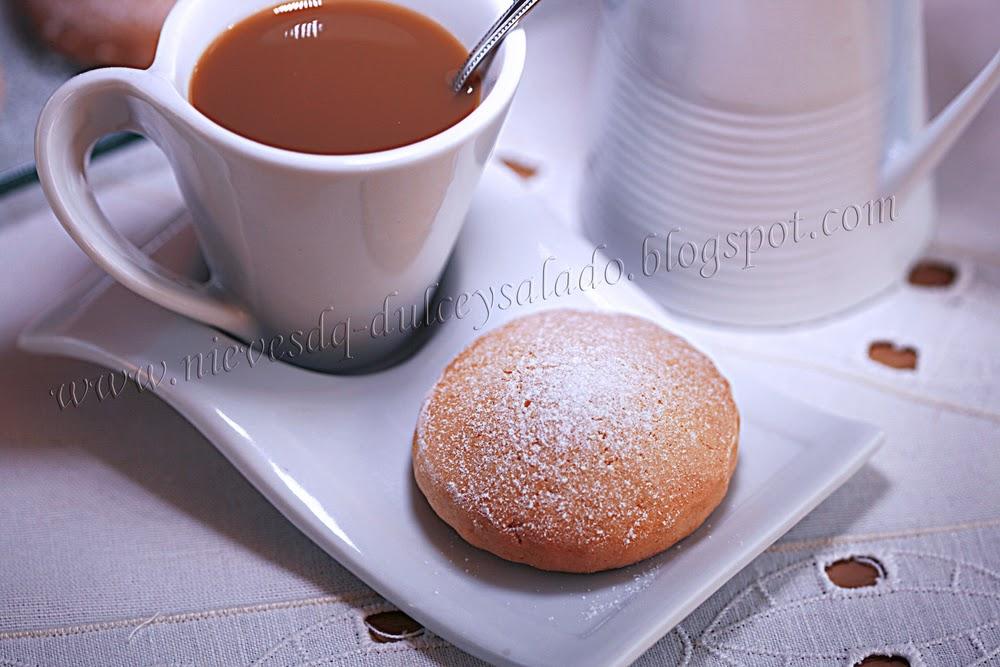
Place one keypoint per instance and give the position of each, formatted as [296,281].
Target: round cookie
[100,32]
[576,441]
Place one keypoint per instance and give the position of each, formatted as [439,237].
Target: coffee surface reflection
[336,77]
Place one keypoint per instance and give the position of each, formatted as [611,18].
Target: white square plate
[333,453]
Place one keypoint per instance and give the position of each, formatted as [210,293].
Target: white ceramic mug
[728,126]
[304,249]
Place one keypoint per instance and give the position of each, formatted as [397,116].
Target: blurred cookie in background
[100,32]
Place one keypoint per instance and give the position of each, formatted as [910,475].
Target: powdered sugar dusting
[572,429]
[619,594]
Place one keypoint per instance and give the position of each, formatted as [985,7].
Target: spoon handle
[486,46]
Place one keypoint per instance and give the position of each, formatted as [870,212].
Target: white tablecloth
[126,539]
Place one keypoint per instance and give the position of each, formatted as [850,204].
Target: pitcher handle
[922,153]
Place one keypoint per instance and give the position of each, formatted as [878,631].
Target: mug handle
[81,112]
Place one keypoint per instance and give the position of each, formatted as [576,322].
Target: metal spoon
[486,48]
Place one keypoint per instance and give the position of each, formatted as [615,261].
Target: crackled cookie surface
[577,441]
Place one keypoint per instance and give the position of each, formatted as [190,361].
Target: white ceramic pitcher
[764,162]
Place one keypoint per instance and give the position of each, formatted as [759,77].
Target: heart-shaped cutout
[884,661]
[931,273]
[855,572]
[521,168]
[889,354]
[392,626]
